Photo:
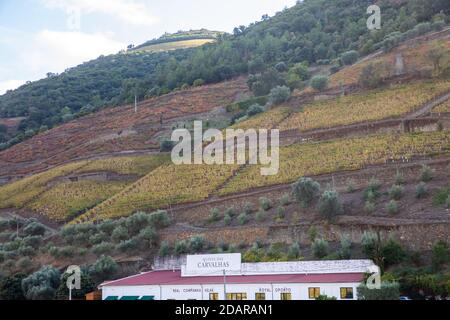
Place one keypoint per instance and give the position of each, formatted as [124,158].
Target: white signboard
[209,264]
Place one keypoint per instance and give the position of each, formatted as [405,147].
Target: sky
[41,36]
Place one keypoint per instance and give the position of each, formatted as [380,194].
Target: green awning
[147,298]
[112,298]
[129,298]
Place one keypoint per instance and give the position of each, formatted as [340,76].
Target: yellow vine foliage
[308,159]
[67,199]
[443,107]
[137,165]
[18,193]
[167,185]
[367,106]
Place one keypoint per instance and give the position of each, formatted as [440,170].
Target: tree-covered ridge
[313,31]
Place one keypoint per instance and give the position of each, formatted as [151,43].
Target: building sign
[213,263]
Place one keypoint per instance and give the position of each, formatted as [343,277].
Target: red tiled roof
[174,278]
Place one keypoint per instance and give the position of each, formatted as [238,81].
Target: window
[236,296]
[260,296]
[313,293]
[286,296]
[213,296]
[346,293]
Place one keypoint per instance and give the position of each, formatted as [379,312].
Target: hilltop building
[225,277]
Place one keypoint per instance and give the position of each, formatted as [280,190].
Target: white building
[223,276]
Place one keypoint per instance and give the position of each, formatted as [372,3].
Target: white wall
[201,292]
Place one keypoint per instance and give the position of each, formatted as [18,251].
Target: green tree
[330,205]
[305,190]
[319,83]
[42,284]
[11,287]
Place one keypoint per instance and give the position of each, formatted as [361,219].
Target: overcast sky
[40,36]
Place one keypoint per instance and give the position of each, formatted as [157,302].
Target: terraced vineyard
[139,165]
[115,129]
[67,199]
[307,159]
[444,107]
[266,120]
[369,106]
[18,193]
[167,185]
[415,59]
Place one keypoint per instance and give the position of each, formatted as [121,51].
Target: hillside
[312,31]
[364,167]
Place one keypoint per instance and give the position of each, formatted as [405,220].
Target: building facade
[224,277]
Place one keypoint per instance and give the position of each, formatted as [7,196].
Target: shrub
[294,251]
[426,173]
[104,268]
[24,263]
[421,190]
[196,244]
[102,248]
[67,251]
[369,207]
[281,67]
[107,226]
[227,219]
[305,190]
[26,251]
[372,190]
[392,253]
[136,222]
[254,110]
[281,212]
[392,207]
[159,219]
[164,249]
[260,216]
[372,75]
[439,254]
[148,237]
[181,247]
[369,243]
[242,219]
[35,229]
[319,248]
[345,251]
[351,187]
[248,207]
[312,233]
[279,94]
[11,287]
[32,241]
[285,200]
[265,203]
[399,178]
[396,192]
[42,284]
[275,251]
[231,211]
[350,57]
[119,234]
[329,204]
[166,146]
[98,238]
[388,291]
[214,215]
[319,83]
[198,82]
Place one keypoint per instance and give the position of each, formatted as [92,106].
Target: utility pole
[224,285]
[135,104]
